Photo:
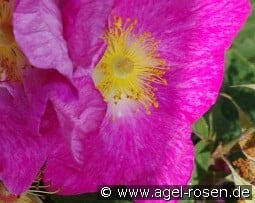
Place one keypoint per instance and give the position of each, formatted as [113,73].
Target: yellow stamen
[11,58]
[37,189]
[130,66]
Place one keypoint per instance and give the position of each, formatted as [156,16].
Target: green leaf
[229,57]
[227,147]
[243,118]
[200,128]
[203,152]
[223,123]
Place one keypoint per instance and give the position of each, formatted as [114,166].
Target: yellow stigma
[130,67]
[11,58]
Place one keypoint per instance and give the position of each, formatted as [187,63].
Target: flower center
[122,66]
[11,58]
[130,67]
[6,34]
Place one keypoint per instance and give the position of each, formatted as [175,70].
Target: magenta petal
[80,118]
[22,156]
[21,153]
[127,151]
[42,85]
[192,88]
[193,38]
[194,47]
[38,31]
[85,22]
[187,25]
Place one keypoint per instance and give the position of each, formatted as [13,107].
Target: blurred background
[224,138]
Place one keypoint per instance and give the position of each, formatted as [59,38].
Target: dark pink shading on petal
[39,32]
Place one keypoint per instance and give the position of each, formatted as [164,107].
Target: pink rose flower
[158,66]
[26,97]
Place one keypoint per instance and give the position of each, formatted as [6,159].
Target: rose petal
[39,32]
[193,36]
[128,151]
[84,25]
[81,118]
[21,153]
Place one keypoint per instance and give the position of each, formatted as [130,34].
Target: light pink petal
[143,150]
[39,32]
[85,22]
[80,118]
[193,38]
[22,155]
